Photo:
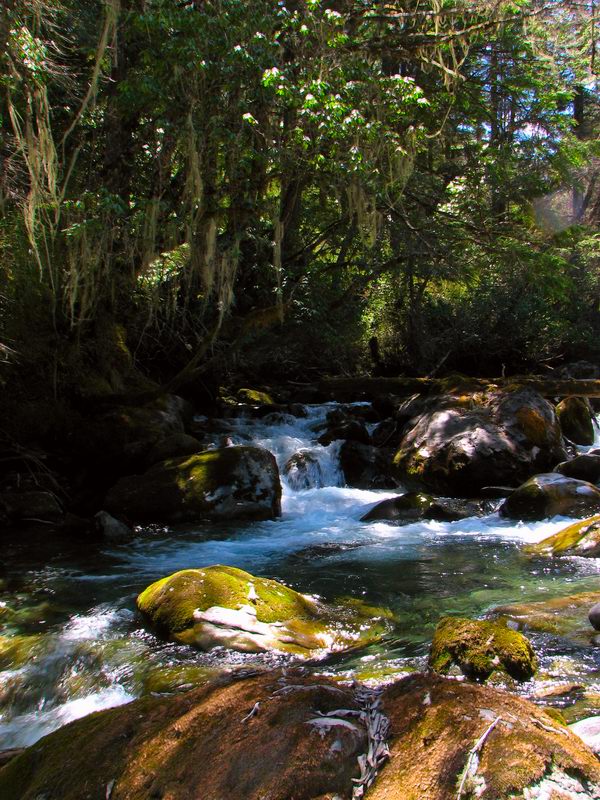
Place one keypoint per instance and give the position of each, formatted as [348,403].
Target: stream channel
[80,645]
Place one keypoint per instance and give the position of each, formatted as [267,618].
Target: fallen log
[458,384]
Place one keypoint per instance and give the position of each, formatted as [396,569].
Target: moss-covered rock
[435,725]
[550,494]
[479,647]
[225,606]
[458,448]
[229,483]
[576,420]
[579,539]
[255,397]
[16,651]
[415,506]
[563,616]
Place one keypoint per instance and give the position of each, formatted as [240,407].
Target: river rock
[113,530]
[550,494]
[228,483]
[31,505]
[352,431]
[561,616]
[415,506]
[367,467]
[479,647]
[303,471]
[224,606]
[594,616]
[584,467]
[579,539]
[176,445]
[294,737]
[576,420]
[387,434]
[460,447]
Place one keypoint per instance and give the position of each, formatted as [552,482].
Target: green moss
[16,651]
[570,538]
[254,397]
[533,425]
[481,647]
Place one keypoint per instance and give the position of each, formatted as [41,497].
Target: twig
[472,755]
[253,712]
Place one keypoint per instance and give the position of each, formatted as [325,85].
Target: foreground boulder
[480,647]
[229,483]
[579,539]
[460,447]
[292,737]
[550,494]
[415,506]
[576,420]
[225,606]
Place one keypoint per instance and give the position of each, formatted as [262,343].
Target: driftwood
[464,385]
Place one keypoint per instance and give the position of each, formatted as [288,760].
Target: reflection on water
[72,641]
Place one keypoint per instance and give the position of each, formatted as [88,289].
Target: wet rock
[479,647]
[387,434]
[594,616]
[225,606]
[579,539]
[588,731]
[255,397]
[576,420]
[550,494]
[303,471]
[175,446]
[228,483]
[297,410]
[352,431]
[415,506]
[464,444]
[585,467]
[561,616]
[31,506]
[366,467]
[113,530]
[524,755]
[291,736]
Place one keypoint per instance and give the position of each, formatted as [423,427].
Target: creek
[74,642]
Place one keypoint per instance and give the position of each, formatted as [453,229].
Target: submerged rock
[562,616]
[293,737]
[579,539]
[415,506]
[576,419]
[479,647]
[225,606]
[303,471]
[459,448]
[229,483]
[550,494]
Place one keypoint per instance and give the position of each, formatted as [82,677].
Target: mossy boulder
[460,447]
[255,397]
[225,606]
[479,647]
[414,506]
[228,483]
[563,616]
[550,494]
[435,725]
[584,467]
[575,416]
[579,539]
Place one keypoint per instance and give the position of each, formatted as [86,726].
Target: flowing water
[78,643]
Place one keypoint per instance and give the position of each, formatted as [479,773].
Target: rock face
[579,539]
[436,722]
[497,439]
[225,606]
[292,737]
[549,494]
[576,420]
[480,647]
[229,483]
[415,506]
